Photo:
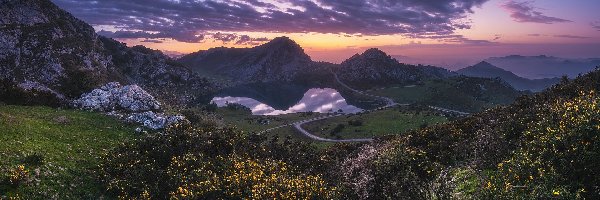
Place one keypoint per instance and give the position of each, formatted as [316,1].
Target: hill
[487,70]
[58,150]
[281,59]
[50,57]
[541,146]
[375,67]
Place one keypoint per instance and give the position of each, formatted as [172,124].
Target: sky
[446,33]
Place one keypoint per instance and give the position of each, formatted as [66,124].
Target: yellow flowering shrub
[18,176]
[237,177]
[558,156]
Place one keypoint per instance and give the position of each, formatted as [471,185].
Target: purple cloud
[497,37]
[179,36]
[571,36]
[152,41]
[596,25]
[526,12]
[454,38]
[245,39]
[185,20]
[224,37]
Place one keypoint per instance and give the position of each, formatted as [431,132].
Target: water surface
[321,100]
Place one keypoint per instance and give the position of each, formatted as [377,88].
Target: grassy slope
[377,123]
[250,123]
[70,143]
[450,94]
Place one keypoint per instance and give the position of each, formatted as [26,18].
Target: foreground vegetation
[543,146]
[50,153]
[215,163]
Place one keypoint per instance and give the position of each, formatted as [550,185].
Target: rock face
[44,46]
[281,59]
[113,96]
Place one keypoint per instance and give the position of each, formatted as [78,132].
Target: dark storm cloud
[526,12]
[184,20]
[179,36]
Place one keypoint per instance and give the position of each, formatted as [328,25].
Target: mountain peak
[484,64]
[282,42]
[282,39]
[374,53]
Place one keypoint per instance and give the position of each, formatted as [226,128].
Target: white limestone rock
[153,120]
[114,97]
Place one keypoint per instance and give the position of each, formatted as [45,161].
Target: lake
[321,100]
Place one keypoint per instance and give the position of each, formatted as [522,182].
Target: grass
[59,148]
[247,122]
[452,93]
[251,123]
[373,124]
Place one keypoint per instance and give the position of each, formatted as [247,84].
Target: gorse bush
[542,146]
[558,156]
[214,163]
[236,177]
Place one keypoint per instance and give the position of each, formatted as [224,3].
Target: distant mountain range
[537,67]
[487,70]
[282,59]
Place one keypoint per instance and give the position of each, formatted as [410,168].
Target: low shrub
[214,163]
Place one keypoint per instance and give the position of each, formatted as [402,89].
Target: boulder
[114,97]
[153,120]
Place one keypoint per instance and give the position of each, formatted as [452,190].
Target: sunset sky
[448,33]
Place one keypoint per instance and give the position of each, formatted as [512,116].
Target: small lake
[321,100]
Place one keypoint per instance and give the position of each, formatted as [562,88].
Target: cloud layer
[526,12]
[190,20]
[596,25]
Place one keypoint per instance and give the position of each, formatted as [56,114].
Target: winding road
[389,103]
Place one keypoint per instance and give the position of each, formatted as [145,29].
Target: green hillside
[58,149]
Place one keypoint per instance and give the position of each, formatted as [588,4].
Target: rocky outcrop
[130,103]
[113,96]
[154,120]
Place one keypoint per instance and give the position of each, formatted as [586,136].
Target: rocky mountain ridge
[376,67]
[46,52]
[281,59]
